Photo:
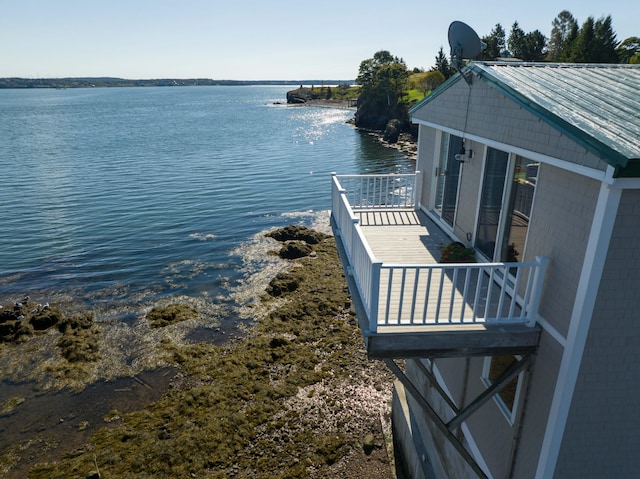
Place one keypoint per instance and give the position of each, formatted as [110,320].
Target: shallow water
[115,198]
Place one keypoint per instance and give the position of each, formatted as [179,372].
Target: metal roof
[597,105]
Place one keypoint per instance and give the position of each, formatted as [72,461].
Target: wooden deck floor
[403,236]
[407,237]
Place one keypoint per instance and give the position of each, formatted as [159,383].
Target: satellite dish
[464,42]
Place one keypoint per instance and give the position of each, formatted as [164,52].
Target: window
[523,188]
[507,397]
[448,178]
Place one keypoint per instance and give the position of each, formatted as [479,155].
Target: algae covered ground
[295,397]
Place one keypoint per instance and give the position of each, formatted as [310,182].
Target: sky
[257,39]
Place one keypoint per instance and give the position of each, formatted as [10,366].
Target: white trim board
[532,155]
[588,284]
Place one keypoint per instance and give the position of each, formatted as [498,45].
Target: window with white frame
[508,397]
[506,202]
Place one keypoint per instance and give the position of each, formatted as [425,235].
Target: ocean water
[114,199]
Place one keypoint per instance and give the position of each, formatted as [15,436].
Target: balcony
[408,304]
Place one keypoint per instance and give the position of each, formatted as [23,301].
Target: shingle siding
[469,193]
[559,229]
[495,117]
[537,405]
[602,435]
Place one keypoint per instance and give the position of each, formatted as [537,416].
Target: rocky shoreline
[295,396]
[406,142]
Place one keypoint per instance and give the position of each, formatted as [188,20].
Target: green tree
[535,46]
[628,48]
[605,42]
[570,44]
[595,43]
[426,81]
[515,42]
[383,79]
[529,47]
[561,32]
[443,65]
[495,42]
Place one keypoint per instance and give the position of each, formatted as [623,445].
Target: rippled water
[113,197]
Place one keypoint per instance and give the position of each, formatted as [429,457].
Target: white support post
[374,296]
[536,293]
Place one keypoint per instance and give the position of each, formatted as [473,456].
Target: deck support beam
[504,379]
[447,428]
[433,415]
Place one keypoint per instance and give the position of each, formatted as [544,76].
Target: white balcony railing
[379,191]
[396,296]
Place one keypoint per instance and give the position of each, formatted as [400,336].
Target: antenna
[465,44]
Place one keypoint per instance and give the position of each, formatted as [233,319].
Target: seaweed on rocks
[295,398]
[297,233]
[170,314]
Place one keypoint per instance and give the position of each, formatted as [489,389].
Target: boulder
[392,131]
[295,250]
[297,233]
[282,284]
[300,95]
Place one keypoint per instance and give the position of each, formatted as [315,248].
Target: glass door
[448,178]
[493,185]
[523,187]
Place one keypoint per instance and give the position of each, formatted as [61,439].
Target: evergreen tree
[605,42]
[583,47]
[569,45]
[529,47]
[443,65]
[595,43]
[515,42]
[495,42]
[329,93]
[563,25]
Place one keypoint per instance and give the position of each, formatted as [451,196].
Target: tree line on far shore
[385,79]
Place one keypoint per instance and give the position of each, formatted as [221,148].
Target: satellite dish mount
[465,44]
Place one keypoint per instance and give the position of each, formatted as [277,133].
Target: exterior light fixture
[463,154]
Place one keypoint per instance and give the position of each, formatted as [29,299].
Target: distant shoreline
[344,104]
[105,82]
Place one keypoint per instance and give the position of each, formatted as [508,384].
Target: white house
[522,364]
